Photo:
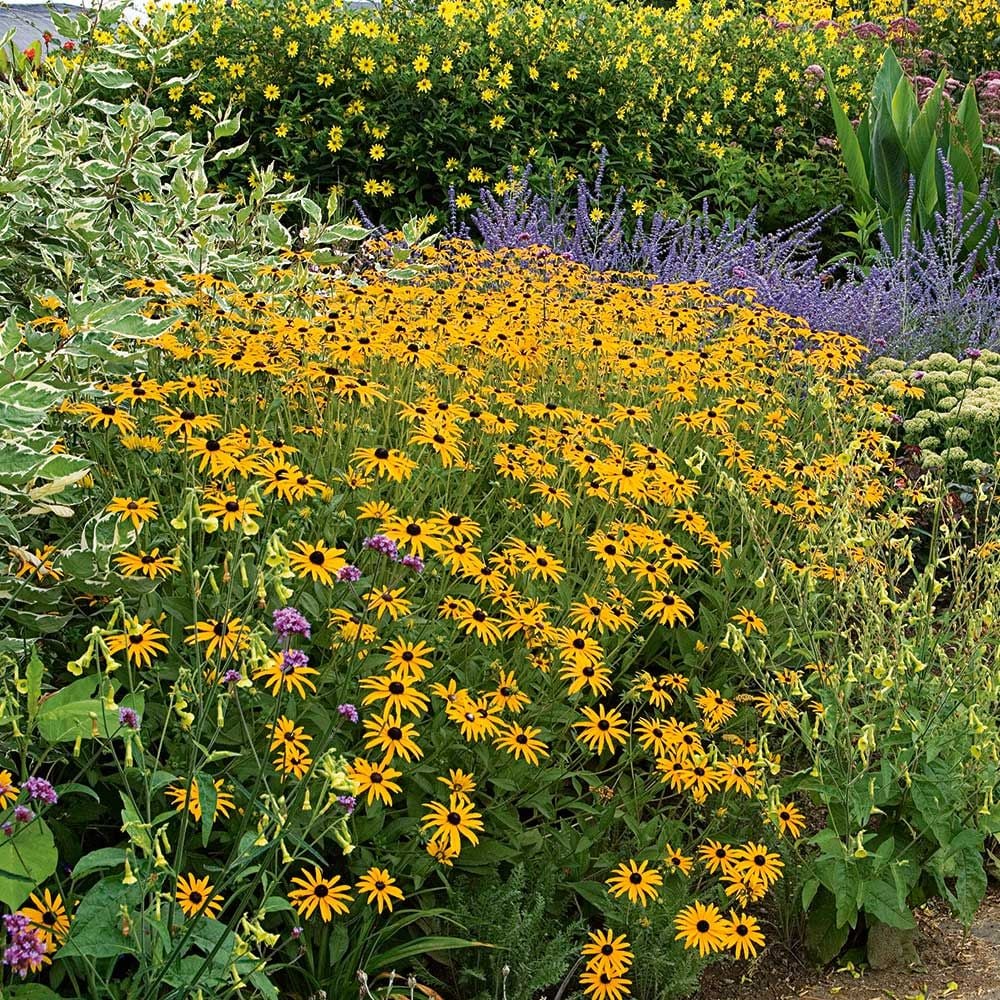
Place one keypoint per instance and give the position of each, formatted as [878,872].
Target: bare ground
[954,966]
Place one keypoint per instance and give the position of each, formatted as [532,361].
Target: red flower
[47,36]
[68,46]
[29,54]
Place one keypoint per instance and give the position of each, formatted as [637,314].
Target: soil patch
[954,965]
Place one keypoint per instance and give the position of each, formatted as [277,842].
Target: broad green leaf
[110,78]
[96,931]
[854,160]
[105,857]
[882,901]
[27,859]
[968,117]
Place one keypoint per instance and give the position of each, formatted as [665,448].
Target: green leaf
[968,117]
[207,800]
[226,128]
[96,931]
[34,678]
[824,937]
[10,337]
[593,892]
[24,405]
[105,857]
[109,77]
[882,901]
[27,859]
[419,946]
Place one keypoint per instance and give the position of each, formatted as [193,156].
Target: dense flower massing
[502,510]
[394,105]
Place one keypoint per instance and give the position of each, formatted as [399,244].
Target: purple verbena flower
[128,717]
[292,659]
[232,677]
[348,712]
[291,621]
[22,814]
[348,574]
[349,802]
[7,828]
[383,544]
[296,933]
[26,946]
[39,788]
[413,562]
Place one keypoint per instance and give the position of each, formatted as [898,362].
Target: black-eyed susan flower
[195,897]
[667,608]
[452,822]
[605,952]
[604,985]
[412,657]
[316,891]
[380,887]
[787,815]
[701,926]
[742,934]
[189,798]
[285,734]
[635,879]
[757,861]
[138,510]
[393,737]
[8,790]
[375,781]
[389,463]
[223,636]
[140,641]
[288,670]
[716,856]
[150,564]
[459,783]
[750,621]
[522,742]
[316,561]
[677,861]
[603,729]
[232,510]
[396,690]
[48,916]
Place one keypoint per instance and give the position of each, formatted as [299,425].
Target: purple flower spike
[292,659]
[413,562]
[128,717]
[39,788]
[348,712]
[290,621]
[383,544]
[25,945]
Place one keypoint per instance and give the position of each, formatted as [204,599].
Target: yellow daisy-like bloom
[315,561]
[141,641]
[452,822]
[8,790]
[637,880]
[48,916]
[138,511]
[380,888]
[317,892]
[195,897]
[288,670]
[702,927]
[603,729]
[223,636]
[190,799]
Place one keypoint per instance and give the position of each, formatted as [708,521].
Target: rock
[892,948]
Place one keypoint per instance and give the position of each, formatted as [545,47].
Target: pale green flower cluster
[950,409]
